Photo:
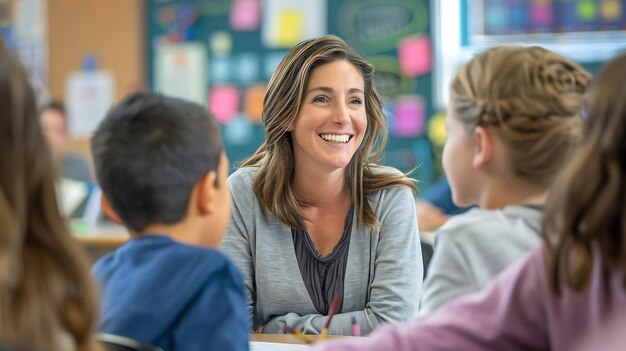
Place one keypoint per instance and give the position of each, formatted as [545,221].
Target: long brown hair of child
[46,294]
[586,210]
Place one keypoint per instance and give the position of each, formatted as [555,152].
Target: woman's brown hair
[46,293]
[586,211]
[530,97]
[274,159]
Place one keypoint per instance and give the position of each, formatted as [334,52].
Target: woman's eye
[320,99]
[356,101]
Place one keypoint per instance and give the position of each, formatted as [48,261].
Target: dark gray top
[323,276]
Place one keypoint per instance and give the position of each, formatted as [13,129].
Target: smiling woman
[314,216]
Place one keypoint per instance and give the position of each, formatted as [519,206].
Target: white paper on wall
[181,71]
[89,95]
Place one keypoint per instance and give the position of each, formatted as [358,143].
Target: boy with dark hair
[162,170]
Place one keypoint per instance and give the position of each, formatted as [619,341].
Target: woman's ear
[108,210]
[207,188]
[484,147]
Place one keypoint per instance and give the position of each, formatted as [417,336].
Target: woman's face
[331,123]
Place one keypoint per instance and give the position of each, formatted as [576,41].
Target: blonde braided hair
[532,98]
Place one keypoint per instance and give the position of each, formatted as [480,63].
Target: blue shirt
[173,295]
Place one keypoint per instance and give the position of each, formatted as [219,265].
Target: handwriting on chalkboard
[376,25]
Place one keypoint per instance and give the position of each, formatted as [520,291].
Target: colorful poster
[31,39]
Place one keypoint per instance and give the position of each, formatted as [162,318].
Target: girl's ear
[108,210]
[484,147]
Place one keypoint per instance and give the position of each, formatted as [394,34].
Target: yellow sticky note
[437,129]
[290,28]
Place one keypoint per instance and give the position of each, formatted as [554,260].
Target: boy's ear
[206,193]
[108,210]
[484,147]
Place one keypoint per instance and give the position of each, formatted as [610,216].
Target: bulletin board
[224,52]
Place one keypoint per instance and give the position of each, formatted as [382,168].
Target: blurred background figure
[71,165]
[435,206]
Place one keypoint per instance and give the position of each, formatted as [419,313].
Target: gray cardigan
[383,276]
[472,248]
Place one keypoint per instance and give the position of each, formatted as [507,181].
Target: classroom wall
[112,31]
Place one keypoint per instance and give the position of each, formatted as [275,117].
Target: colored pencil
[356,331]
[298,334]
[334,306]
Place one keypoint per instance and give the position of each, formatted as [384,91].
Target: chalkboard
[386,32]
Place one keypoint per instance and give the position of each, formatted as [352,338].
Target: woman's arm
[236,242]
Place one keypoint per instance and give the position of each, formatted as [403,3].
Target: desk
[280,338]
[289,338]
[100,240]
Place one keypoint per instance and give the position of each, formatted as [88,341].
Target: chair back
[427,254]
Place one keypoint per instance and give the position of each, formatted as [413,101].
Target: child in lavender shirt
[570,286]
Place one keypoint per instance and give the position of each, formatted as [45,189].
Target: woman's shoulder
[241,184]
[394,192]
[384,170]
[243,176]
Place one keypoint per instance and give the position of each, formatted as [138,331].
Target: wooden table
[288,338]
[100,240]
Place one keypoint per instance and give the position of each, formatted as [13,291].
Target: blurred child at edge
[47,299]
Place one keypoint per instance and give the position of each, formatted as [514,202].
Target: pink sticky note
[415,55]
[410,117]
[224,103]
[245,15]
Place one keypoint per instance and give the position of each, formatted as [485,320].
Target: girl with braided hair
[513,120]
[573,286]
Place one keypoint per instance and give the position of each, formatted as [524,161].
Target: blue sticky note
[247,68]
[238,132]
[271,62]
[220,70]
